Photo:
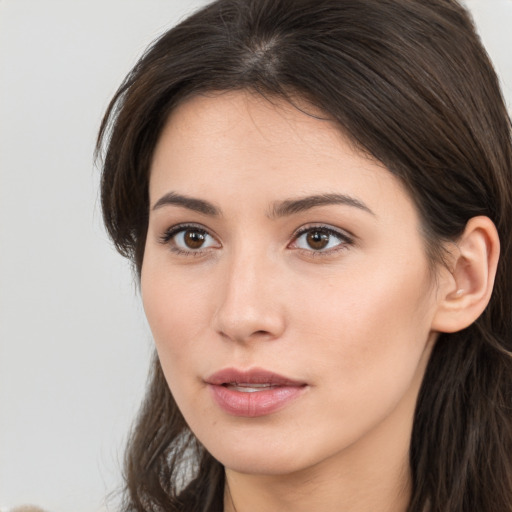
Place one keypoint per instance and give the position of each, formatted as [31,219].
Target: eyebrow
[279,209]
[191,203]
[291,206]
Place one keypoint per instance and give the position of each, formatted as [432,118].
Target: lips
[253,393]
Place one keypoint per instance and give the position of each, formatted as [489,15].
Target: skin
[353,321]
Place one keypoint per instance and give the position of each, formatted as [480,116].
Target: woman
[315,196]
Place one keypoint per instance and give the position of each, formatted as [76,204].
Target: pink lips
[252,393]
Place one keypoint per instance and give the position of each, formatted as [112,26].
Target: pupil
[194,239]
[317,239]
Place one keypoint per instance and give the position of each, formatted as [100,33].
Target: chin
[261,458]
[265,465]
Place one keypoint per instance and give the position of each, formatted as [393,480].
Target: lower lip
[257,403]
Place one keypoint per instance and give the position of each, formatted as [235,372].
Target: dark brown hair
[410,83]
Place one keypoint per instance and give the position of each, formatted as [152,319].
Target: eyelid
[173,230]
[346,238]
[168,235]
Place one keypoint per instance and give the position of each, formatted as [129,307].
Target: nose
[249,305]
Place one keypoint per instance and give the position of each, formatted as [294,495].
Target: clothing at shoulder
[23,508]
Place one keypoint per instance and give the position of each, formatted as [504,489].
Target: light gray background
[74,346]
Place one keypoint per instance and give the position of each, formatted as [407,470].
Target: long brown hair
[410,83]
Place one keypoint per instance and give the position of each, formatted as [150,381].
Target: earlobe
[465,293]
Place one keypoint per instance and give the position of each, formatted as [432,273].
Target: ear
[465,289]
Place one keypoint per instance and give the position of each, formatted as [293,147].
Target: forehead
[249,122]
[238,144]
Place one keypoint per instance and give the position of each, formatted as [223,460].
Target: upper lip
[251,376]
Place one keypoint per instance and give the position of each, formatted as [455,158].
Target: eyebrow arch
[191,203]
[291,206]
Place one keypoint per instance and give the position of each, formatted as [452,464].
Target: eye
[320,239]
[189,239]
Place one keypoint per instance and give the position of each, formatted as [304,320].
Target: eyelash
[344,239]
[168,236]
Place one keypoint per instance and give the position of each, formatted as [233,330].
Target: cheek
[370,327]
[367,348]
[176,308]
[174,316]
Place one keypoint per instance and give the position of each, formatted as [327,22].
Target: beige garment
[27,508]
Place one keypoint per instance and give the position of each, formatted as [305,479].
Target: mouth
[244,387]
[253,393]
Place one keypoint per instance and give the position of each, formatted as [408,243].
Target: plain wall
[74,346]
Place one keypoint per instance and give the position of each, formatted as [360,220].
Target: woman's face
[286,285]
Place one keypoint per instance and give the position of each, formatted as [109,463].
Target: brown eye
[320,239]
[317,240]
[189,239]
[193,238]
